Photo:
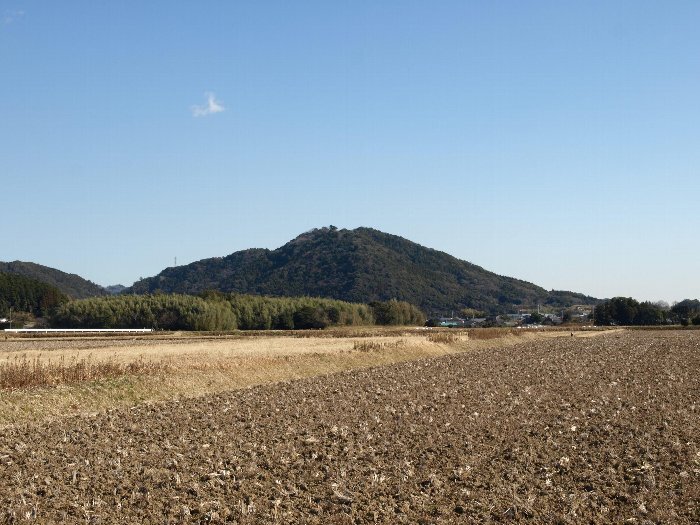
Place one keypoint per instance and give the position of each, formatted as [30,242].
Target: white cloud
[10,16]
[212,106]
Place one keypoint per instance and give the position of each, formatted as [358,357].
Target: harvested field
[90,374]
[549,430]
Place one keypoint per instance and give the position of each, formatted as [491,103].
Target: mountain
[70,284]
[360,265]
[115,289]
[24,294]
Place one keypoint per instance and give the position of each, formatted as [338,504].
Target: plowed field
[563,430]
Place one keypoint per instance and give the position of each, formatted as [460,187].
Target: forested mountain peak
[359,265]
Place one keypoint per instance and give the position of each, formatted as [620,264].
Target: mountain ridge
[359,265]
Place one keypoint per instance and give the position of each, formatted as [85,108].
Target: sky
[557,142]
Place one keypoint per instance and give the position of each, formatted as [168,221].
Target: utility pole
[10,318]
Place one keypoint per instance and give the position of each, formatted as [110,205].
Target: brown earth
[560,430]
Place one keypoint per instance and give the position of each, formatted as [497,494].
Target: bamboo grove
[218,311]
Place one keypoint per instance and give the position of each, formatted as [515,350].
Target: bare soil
[550,430]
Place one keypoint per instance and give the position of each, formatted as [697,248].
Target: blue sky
[556,142]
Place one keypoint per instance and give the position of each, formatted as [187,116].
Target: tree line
[625,311]
[214,310]
[166,312]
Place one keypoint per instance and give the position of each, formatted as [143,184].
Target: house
[451,322]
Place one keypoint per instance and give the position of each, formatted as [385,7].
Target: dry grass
[377,346]
[50,379]
[199,374]
[197,352]
[25,372]
[483,334]
[455,335]
[448,337]
[494,333]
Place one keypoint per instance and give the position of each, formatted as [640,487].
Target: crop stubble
[566,430]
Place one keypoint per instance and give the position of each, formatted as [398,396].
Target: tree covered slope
[24,294]
[70,284]
[361,265]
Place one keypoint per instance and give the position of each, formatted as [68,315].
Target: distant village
[579,314]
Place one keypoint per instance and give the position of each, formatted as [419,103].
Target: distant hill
[70,284]
[24,294]
[360,265]
[115,289]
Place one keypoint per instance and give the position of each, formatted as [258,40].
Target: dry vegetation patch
[24,372]
[88,374]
